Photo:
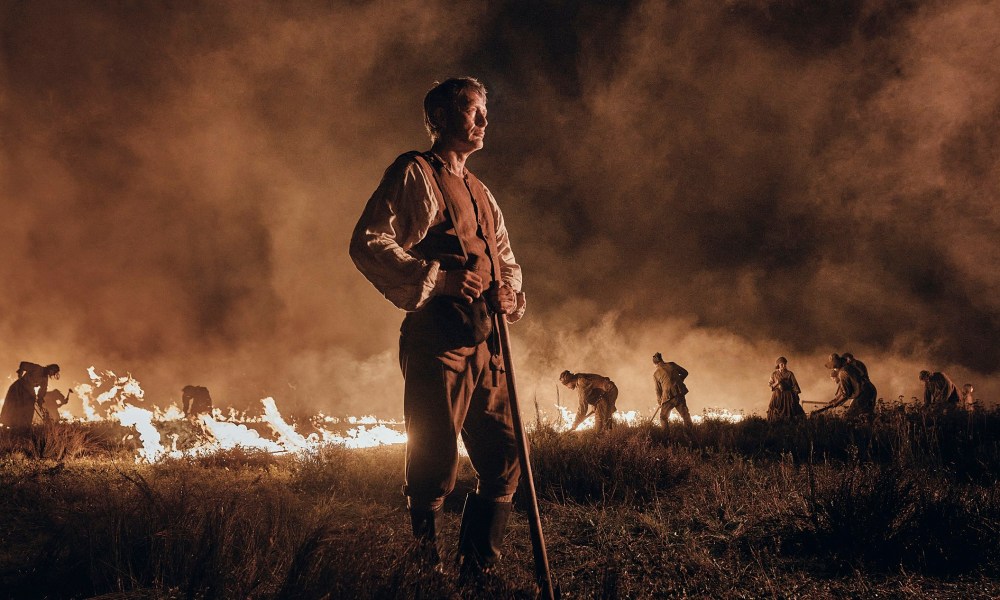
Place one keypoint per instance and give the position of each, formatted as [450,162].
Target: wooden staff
[543,575]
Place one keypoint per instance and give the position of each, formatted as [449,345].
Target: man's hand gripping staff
[503,303]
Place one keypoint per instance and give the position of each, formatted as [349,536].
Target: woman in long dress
[784,393]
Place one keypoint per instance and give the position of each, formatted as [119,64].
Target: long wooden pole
[543,575]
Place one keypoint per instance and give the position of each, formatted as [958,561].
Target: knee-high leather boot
[425,525]
[481,537]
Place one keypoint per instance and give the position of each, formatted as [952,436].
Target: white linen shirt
[398,215]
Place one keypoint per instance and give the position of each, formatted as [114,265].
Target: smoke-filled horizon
[720,182]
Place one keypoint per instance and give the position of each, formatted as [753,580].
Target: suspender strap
[485,224]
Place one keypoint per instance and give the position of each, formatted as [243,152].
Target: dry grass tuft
[907,505]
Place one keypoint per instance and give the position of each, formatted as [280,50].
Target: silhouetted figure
[853,387]
[969,397]
[19,403]
[671,392]
[860,366]
[784,393]
[54,399]
[939,390]
[594,390]
[196,400]
[863,407]
[433,241]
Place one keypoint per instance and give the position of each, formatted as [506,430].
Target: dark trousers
[605,409]
[864,405]
[447,394]
[678,402]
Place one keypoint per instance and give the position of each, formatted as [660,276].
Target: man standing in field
[671,392]
[594,390]
[22,397]
[433,241]
[939,390]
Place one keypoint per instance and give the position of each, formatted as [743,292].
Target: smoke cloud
[720,182]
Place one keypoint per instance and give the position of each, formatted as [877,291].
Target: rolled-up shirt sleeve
[510,271]
[396,217]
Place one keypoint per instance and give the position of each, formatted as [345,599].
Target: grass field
[908,506]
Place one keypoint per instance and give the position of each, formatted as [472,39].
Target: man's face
[465,127]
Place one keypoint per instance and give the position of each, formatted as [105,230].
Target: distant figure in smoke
[853,387]
[784,393]
[969,397]
[196,400]
[55,399]
[433,241]
[939,390]
[863,406]
[671,392]
[834,372]
[19,404]
[857,364]
[594,390]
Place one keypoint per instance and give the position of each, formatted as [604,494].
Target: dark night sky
[720,181]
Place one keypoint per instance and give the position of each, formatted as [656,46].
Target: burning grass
[906,506]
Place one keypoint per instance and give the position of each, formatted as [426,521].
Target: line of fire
[187,429]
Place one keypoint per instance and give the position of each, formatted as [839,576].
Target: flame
[112,397]
[121,388]
[633,418]
[226,435]
[363,437]
[567,417]
[287,435]
[715,414]
[142,420]
[172,413]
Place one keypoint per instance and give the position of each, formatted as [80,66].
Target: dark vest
[465,221]
[463,235]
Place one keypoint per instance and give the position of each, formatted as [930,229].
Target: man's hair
[925,375]
[565,376]
[445,95]
[781,361]
[657,358]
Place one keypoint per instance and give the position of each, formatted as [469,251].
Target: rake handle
[543,574]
